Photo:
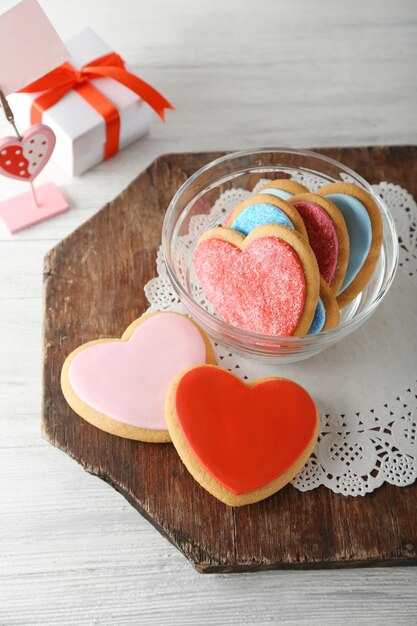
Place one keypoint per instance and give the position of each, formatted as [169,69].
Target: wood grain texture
[73,551]
[93,288]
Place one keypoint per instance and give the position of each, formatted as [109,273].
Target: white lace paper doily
[365,386]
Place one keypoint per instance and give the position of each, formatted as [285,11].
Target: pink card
[29,46]
[21,212]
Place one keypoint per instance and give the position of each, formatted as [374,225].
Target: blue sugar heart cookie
[261,209]
[319,319]
[258,214]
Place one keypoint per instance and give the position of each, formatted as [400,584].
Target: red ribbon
[62,79]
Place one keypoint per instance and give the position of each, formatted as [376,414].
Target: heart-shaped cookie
[119,385]
[267,282]
[264,209]
[283,188]
[240,442]
[327,314]
[327,235]
[364,224]
[24,159]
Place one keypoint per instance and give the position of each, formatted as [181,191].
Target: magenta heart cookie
[25,158]
[327,235]
[119,385]
[267,282]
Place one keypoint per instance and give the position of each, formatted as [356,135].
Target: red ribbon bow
[62,79]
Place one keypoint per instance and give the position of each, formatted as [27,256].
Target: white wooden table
[240,73]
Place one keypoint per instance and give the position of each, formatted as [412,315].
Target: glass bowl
[196,207]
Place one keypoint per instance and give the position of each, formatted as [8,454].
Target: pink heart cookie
[267,282]
[24,159]
[119,385]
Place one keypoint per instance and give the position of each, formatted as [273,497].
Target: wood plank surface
[93,288]
[273,72]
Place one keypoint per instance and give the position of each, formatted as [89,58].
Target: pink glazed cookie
[119,385]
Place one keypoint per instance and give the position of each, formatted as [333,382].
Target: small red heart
[24,159]
[244,436]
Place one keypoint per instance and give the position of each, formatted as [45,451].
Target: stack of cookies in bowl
[285,261]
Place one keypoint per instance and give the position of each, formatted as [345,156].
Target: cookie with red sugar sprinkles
[327,235]
[266,283]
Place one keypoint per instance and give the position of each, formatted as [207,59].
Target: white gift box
[80,130]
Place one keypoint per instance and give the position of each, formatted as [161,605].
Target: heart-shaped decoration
[119,385]
[240,442]
[24,159]
[267,282]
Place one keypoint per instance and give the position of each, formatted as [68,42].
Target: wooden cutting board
[94,288]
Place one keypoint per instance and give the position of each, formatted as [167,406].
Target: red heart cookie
[240,442]
[267,282]
[25,158]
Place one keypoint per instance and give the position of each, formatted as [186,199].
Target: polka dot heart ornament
[23,158]
[29,48]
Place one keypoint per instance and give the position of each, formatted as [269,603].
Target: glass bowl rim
[218,326]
